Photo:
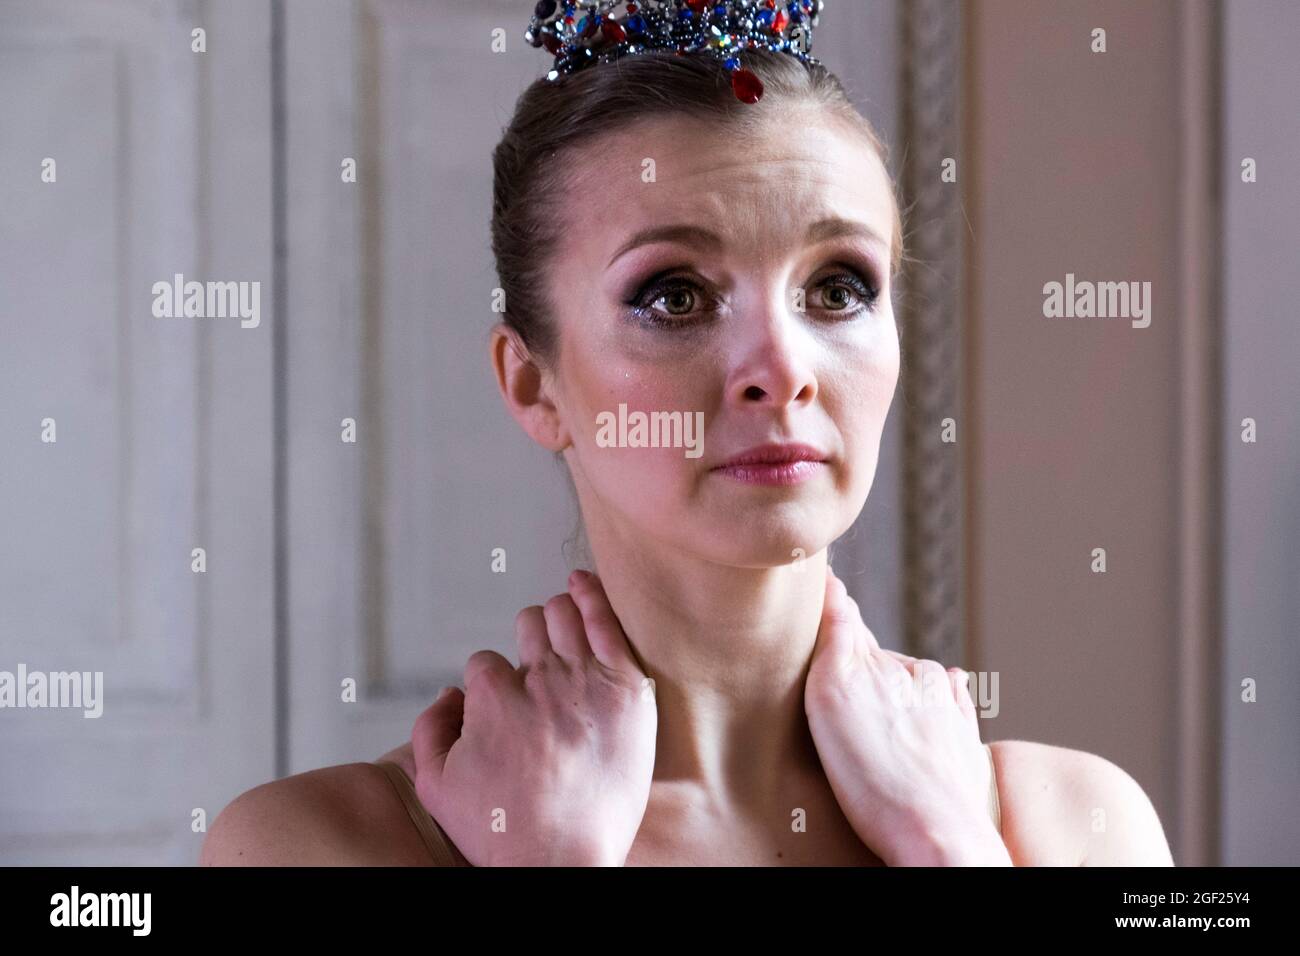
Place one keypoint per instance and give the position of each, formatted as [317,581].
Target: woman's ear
[524,389]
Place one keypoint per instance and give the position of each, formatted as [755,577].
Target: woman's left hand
[899,742]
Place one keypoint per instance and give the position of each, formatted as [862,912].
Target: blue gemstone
[732,63]
[765,17]
[636,23]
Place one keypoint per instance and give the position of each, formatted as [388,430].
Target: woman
[713,697]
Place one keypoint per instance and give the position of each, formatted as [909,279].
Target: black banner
[335,904]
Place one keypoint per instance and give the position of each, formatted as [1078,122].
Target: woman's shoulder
[1065,807]
[342,815]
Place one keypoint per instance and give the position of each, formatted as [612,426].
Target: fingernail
[442,693]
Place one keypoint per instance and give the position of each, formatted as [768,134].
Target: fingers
[486,665]
[932,683]
[837,634]
[436,729]
[605,635]
[841,614]
[865,640]
[868,635]
[961,690]
[531,636]
[564,627]
[935,685]
[573,625]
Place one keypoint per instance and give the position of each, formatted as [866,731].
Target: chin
[768,540]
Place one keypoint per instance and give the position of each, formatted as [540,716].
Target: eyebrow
[821,231]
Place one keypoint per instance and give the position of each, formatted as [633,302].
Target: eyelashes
[682,292]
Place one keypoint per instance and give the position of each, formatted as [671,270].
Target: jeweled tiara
[582,34]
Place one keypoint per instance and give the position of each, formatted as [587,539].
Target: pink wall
[1073,166]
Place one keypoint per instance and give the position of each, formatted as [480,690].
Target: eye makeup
[669,284]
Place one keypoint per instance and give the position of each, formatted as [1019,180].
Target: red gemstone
[747,87]
[613,31]
[697,6]
[552,43]
[780,22]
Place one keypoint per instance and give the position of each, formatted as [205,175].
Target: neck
[728,649]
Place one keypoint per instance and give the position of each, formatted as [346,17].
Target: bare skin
[699,570]
[348,815]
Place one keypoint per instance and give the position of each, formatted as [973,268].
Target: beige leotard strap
[441,848]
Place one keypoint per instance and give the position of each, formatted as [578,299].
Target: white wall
[163,424]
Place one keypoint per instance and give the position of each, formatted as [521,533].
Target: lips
[775,454]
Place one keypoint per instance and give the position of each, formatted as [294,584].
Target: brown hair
[531,171]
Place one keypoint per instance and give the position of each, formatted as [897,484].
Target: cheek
[867,369]
[616,395]
[864,385]
[883,370]
[644,389]
[608,366]
[885,359]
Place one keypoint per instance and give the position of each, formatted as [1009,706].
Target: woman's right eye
[677,297]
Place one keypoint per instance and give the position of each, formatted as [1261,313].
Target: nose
[774,358]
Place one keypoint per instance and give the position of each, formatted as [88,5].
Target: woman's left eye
[865,294]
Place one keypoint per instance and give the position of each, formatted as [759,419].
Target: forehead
[759,188]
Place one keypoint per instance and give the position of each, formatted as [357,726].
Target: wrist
[949,842]
[560,855]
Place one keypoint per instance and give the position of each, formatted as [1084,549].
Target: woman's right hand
[547,764]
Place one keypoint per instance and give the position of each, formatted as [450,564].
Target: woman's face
[707,319]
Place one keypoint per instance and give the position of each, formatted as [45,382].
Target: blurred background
[328,564]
